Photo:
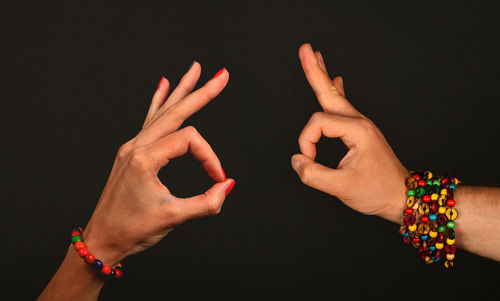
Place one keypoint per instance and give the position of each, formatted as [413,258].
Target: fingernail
[189,68]
[224,173]
[295,163]
[161,82]
[230,187]
[219,72]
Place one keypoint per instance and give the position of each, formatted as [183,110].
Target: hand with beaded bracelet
[371,179]
[136,210]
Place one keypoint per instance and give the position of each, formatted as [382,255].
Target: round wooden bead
[410,201]
[440,237]
[441,219]
[416,176]
[444,181]
[412,228]
[444,191]
[76,238]
[83,252]
[119,273]
[416,240]
[423,208]
[78,245]
[450,241]
[406,240]
[427,175]
[75,233]
[408,211]
[433,234]
[419,192]
[442,200]
[106,270]
[436,183]
[426,198]
[451,234]
[423,228]
[450,225]
[448,264]
[409,220]
[451,249]
[439,245]
[433,217]
[450,256]
[442,210]
[421,183]
[411,183]
[451,214]
[441,229]
[452,186]
[410,192]
[434,196]
[450,203]
[98,264]
[424,218]
[89,258]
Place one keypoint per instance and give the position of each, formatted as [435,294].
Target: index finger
[330,99]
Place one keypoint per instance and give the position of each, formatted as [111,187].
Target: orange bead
[78,245]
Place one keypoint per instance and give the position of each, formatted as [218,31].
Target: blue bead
[433,217]
[432,248]
[436,259]
[424,237]
[452,186]
[406,234]
[98,264]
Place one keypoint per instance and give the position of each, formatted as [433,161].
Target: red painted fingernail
[162,80]
[224,173]
[230,187]
[219,72]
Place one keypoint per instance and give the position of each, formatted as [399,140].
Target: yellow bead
[444,191]
[415,206]
[412,227]
[442,200]
[451,213]
[423,208]
[450,256]
[428,174]
[442,210]
[410,201]
[439,245]
[434,196]
[450,241]
[433,234]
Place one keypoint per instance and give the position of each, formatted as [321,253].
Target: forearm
[74,280]
[478,222]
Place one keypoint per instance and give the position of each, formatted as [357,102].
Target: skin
[136,210]
[356,181]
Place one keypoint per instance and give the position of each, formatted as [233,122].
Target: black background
[76,81]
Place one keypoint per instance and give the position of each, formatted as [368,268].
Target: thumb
[316,175]
[208,203]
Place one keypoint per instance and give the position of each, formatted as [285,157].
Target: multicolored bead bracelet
[432,201]
[77,241]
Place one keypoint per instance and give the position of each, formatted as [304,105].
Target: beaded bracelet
[77,241]
[432,201]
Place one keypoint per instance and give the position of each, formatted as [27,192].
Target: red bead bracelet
[77,241]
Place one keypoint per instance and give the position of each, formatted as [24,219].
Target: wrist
[396,203]
[103,246]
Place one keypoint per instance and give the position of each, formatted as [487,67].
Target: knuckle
[138,159]
[192,131]
[124,150]
[367,125]
[317,116]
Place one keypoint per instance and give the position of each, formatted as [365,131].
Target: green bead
[450,224]
[76,238]
[420,192]
[428,182]
[437,183]
[441,229]
[411,192]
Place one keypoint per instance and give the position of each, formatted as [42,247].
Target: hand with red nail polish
[370,178]
[136,209]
